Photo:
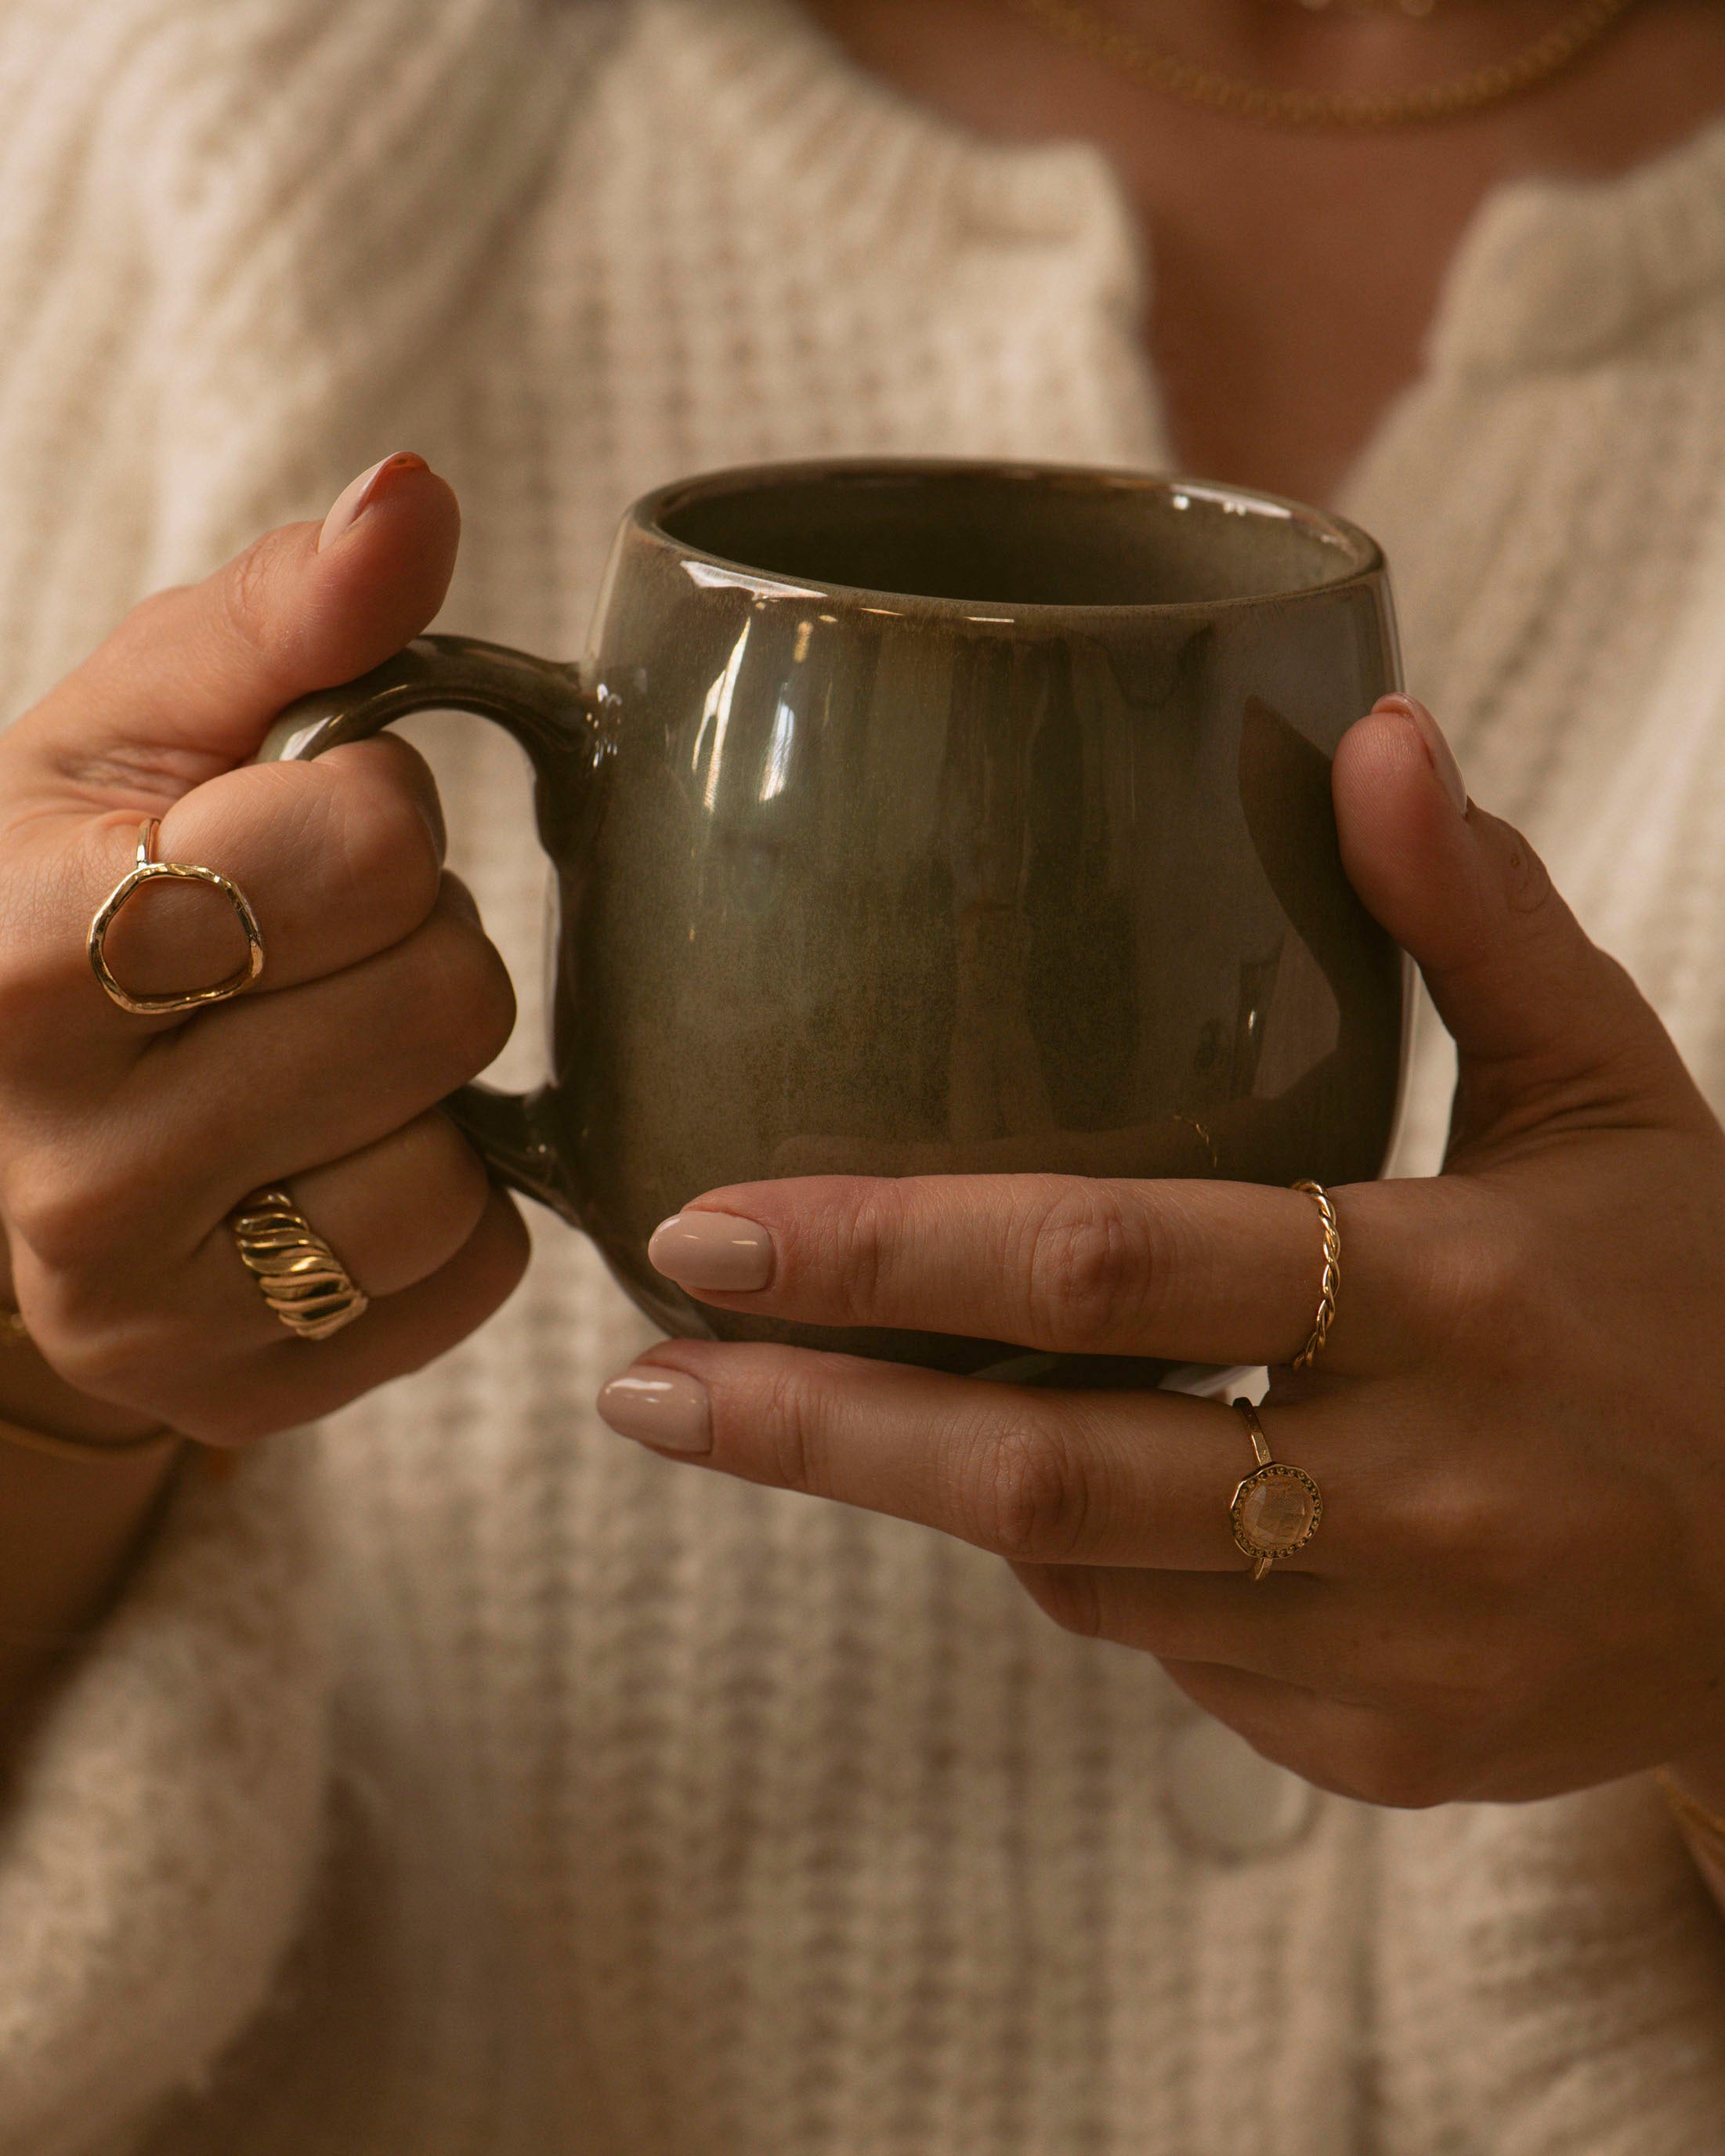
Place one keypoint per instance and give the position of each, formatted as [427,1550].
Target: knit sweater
[461,1778]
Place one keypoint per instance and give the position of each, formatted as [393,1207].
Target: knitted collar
[800,115]
[1550,273]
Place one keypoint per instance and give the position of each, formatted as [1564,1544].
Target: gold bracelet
[1687,1812]
[88,1449]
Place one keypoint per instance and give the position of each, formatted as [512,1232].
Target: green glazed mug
[934,817]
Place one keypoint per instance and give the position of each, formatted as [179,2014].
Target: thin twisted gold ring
[1330,1286]
[148,869]
[1278,1508]
[302,1279]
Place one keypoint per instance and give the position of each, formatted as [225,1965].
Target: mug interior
[1012,535]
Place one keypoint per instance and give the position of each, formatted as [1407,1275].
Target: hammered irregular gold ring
[1330,1285]
[148,869]
[1278,1508]
[302,1279]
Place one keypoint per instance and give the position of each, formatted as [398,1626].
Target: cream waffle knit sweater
[462,1780]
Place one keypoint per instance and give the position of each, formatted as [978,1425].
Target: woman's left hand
[1518,1585]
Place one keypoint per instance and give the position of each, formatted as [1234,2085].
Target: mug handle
[555,715]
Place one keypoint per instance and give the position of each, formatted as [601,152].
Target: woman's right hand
[125,1142]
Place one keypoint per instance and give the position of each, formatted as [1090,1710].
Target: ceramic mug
[935,817]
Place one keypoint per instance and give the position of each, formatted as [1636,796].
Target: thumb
[1545,1023]
[187,685]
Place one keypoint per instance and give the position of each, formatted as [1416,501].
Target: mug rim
[1364,556]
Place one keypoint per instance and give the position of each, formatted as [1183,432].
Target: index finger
[1190,1271]
[1141,1480]
[176,699]
[339,859]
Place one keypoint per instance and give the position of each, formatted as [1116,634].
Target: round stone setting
[1276,1511]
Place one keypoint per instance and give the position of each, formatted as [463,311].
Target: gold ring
[302,1279]
[1278,1508]
[148,869]
[1331,1284]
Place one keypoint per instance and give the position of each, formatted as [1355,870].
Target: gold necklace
[1077,23]
[1371,6]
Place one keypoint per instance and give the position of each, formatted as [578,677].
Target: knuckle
[153,619]
[464,997]
[1475,1690]
[446,1183]
[1484,1536]
[107,1362]
[1089,1261]
[101,1337]
[234,1415]
[1527,884]
[439,1158]
[1025,1493]
[389,852]
[1491,1285]
[870,1225]
[790,1417]
[69,1212]
[21,999]
[1454,1520]
[501,1248]
[1447,1678]
[1403,1770]
[244,594]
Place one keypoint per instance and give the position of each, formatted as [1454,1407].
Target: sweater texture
[461,1778]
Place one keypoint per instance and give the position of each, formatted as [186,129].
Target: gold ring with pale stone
[1278,1508]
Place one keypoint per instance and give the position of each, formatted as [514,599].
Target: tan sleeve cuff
[161,1832]
[1550,1979]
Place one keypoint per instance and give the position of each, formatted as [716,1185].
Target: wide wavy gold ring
[148,869]
[302,1279]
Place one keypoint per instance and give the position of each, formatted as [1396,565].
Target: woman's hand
[1518,1585]
[125,1140]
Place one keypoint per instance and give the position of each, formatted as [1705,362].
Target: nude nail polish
[712,1250]
[1437,747]
[667,1409]
[357,497]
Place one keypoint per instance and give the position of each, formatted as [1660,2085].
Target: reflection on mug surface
[920,818]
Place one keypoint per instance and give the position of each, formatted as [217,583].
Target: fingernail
[712,1249]
[1443,757]
[357,497]
[664,1408]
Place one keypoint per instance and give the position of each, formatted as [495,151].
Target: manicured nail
[1443,757]
[663,1408]
[712,1250]
[357,497]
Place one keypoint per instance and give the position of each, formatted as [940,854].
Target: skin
[1517,1584]
[1517,1589]
[125,1142]
[1295,274]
